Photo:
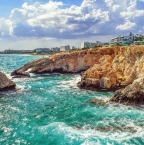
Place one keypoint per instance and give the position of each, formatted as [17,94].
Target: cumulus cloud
[131,11]
[52,20]
[5,27]
[57,20]
[127,26]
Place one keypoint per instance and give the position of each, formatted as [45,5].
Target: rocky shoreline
[68,62]
[119,69]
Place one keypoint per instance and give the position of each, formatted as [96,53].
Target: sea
[50,109]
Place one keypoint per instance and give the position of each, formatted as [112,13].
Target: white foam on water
[142,106]
[86,134]
[72,83]
[20,87]
[29,70]
[27,79]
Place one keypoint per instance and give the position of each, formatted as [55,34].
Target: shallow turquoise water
[51,110]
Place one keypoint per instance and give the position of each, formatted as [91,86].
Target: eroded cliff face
[114,72]
[69,62]
[132,94]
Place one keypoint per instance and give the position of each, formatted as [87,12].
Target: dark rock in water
[5,83]
[91,84]
[107,128]
[77,127]
[131,95]
[116,128]
[97,101]
[20,74]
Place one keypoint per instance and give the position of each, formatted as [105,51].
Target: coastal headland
[119,69]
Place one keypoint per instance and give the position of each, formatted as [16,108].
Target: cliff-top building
[122,40]
[55,49]
[90,44]
[65,48]
[38,50]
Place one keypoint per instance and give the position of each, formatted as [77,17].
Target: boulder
[133,94]
[97,101]
[5,83]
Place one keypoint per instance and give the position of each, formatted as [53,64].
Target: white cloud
[132,12]
[57,20]
[52,17]
[127,26]
[5,27]
[115,7]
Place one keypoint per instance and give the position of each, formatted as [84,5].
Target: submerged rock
[105,129]
[133,94]
[116,129]
[97,101]
[5,83]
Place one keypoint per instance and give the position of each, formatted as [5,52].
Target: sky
[30,24]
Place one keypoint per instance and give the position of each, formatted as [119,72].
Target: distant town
[125,40]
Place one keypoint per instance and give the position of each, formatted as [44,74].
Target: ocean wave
[71,83]
[85,135]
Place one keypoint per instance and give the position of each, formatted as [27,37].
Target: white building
[121,40]
[55,49]
[90,44]
[42,50]
[65,48]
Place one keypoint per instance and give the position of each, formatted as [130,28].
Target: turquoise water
[51,110]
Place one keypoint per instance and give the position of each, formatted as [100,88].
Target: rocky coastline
[119,69]
[5,83]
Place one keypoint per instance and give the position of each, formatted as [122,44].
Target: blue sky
[50,23]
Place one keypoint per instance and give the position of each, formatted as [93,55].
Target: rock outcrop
[115,71]
[124,71]
[133,94]
[5,83]
[68,62]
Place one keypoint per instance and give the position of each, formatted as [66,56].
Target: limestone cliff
[123,70]
[68,62]
[5,83]
[132,94]
[115,71]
